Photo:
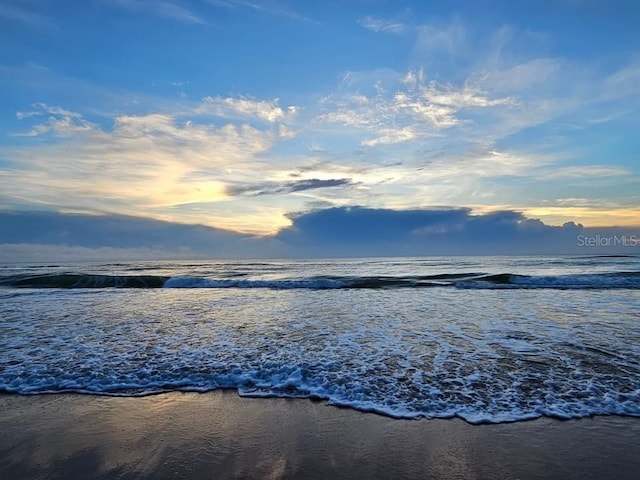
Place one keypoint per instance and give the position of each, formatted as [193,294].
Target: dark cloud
[442,231]
[344,225]
[336,231]
[118,231]
[274,188]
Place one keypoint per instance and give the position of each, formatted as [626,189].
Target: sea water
[486,339]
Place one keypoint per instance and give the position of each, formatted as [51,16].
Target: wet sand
[220,435]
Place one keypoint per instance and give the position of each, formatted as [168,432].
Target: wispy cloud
[415,109]
[586,171]
[44,109]
[519,78]
[390,136]
[14,12]
[270,7]
[59,121]
[433,39]
[275,188]
[163,8]
[269,111]
[381,25]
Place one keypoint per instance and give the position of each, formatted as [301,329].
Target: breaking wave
[613,280]
[80,280]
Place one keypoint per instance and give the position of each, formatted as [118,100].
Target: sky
[277,127]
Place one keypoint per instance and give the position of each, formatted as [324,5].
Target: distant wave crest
[614,280]
[80,280]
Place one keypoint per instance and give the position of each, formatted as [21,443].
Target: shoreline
[221,435]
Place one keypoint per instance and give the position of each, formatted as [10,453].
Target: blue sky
[242,115]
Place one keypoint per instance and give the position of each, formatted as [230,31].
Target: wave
[80,280]
[613,280]
[609,256]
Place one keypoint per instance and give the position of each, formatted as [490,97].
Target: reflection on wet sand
[218,434]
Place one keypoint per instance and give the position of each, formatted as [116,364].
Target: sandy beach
[221,435]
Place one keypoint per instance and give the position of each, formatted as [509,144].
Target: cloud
[79,94]
[522,77]
[268,111]
[271,7]
[46,253]
[449,39]
[367,231]
[18,13]
[625,79]
[357,224]
[381,25]
[113,231]
[162,8]
[586,171]
[60,121]
[408,143]
[143,165]
[594,214]
[507,130]
[475,121]
[389,136]
[335,231]
[416,109]
[43,109]
[274,188]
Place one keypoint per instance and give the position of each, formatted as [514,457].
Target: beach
[221,435]
[440,367]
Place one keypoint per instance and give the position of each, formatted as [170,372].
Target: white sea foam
[197,282]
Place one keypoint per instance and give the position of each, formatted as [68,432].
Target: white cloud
[389,136]
[43,109]
[60,121]
[521,77]
[271,7]
[145,165]
[286,132]
[584,171]
[269,111]
[163,8]
[626,76]
[237,3]
[60,126]
[381,25]
[465,97]
[415,110]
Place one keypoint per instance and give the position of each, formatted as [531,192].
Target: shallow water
[485,351]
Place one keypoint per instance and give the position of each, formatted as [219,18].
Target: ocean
[486,339]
